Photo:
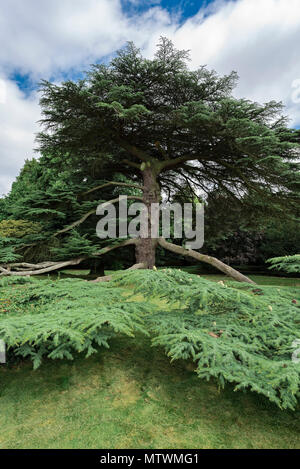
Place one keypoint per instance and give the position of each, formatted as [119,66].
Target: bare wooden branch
[173,163]
[76,223]
[131,163]
[127,242]
[133,150]
[52,266]
[57,266]
[26,265]
[226,269]
[112,183]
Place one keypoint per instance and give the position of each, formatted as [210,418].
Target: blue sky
[183,8]
[59,39]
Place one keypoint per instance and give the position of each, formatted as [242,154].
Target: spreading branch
[226,269]
[45,270]
[133,150]
[46,267]
[175,162]
[112,183]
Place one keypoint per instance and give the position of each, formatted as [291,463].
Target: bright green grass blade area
[262,280]
[132,397]
[259,279]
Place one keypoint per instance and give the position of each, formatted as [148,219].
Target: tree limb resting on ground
[226,269]
[46,267]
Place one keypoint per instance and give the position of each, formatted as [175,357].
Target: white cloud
[43,37]
[258,38]
[2,91]
[18,116]
[296,91]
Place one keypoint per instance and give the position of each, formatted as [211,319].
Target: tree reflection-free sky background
[59,39]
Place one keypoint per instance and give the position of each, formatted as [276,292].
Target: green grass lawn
[259,279]
[131,396]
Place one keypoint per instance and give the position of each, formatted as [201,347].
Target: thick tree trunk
[146,246]
[145,252]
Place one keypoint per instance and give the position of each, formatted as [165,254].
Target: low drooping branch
[46,267]
[45,270]
[226,269]
[26,265]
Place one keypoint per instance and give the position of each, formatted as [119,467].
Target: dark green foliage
[56,199]
[7,251]
[248,232]
[289,264]
[233,332]
[135,111]
[74,245]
